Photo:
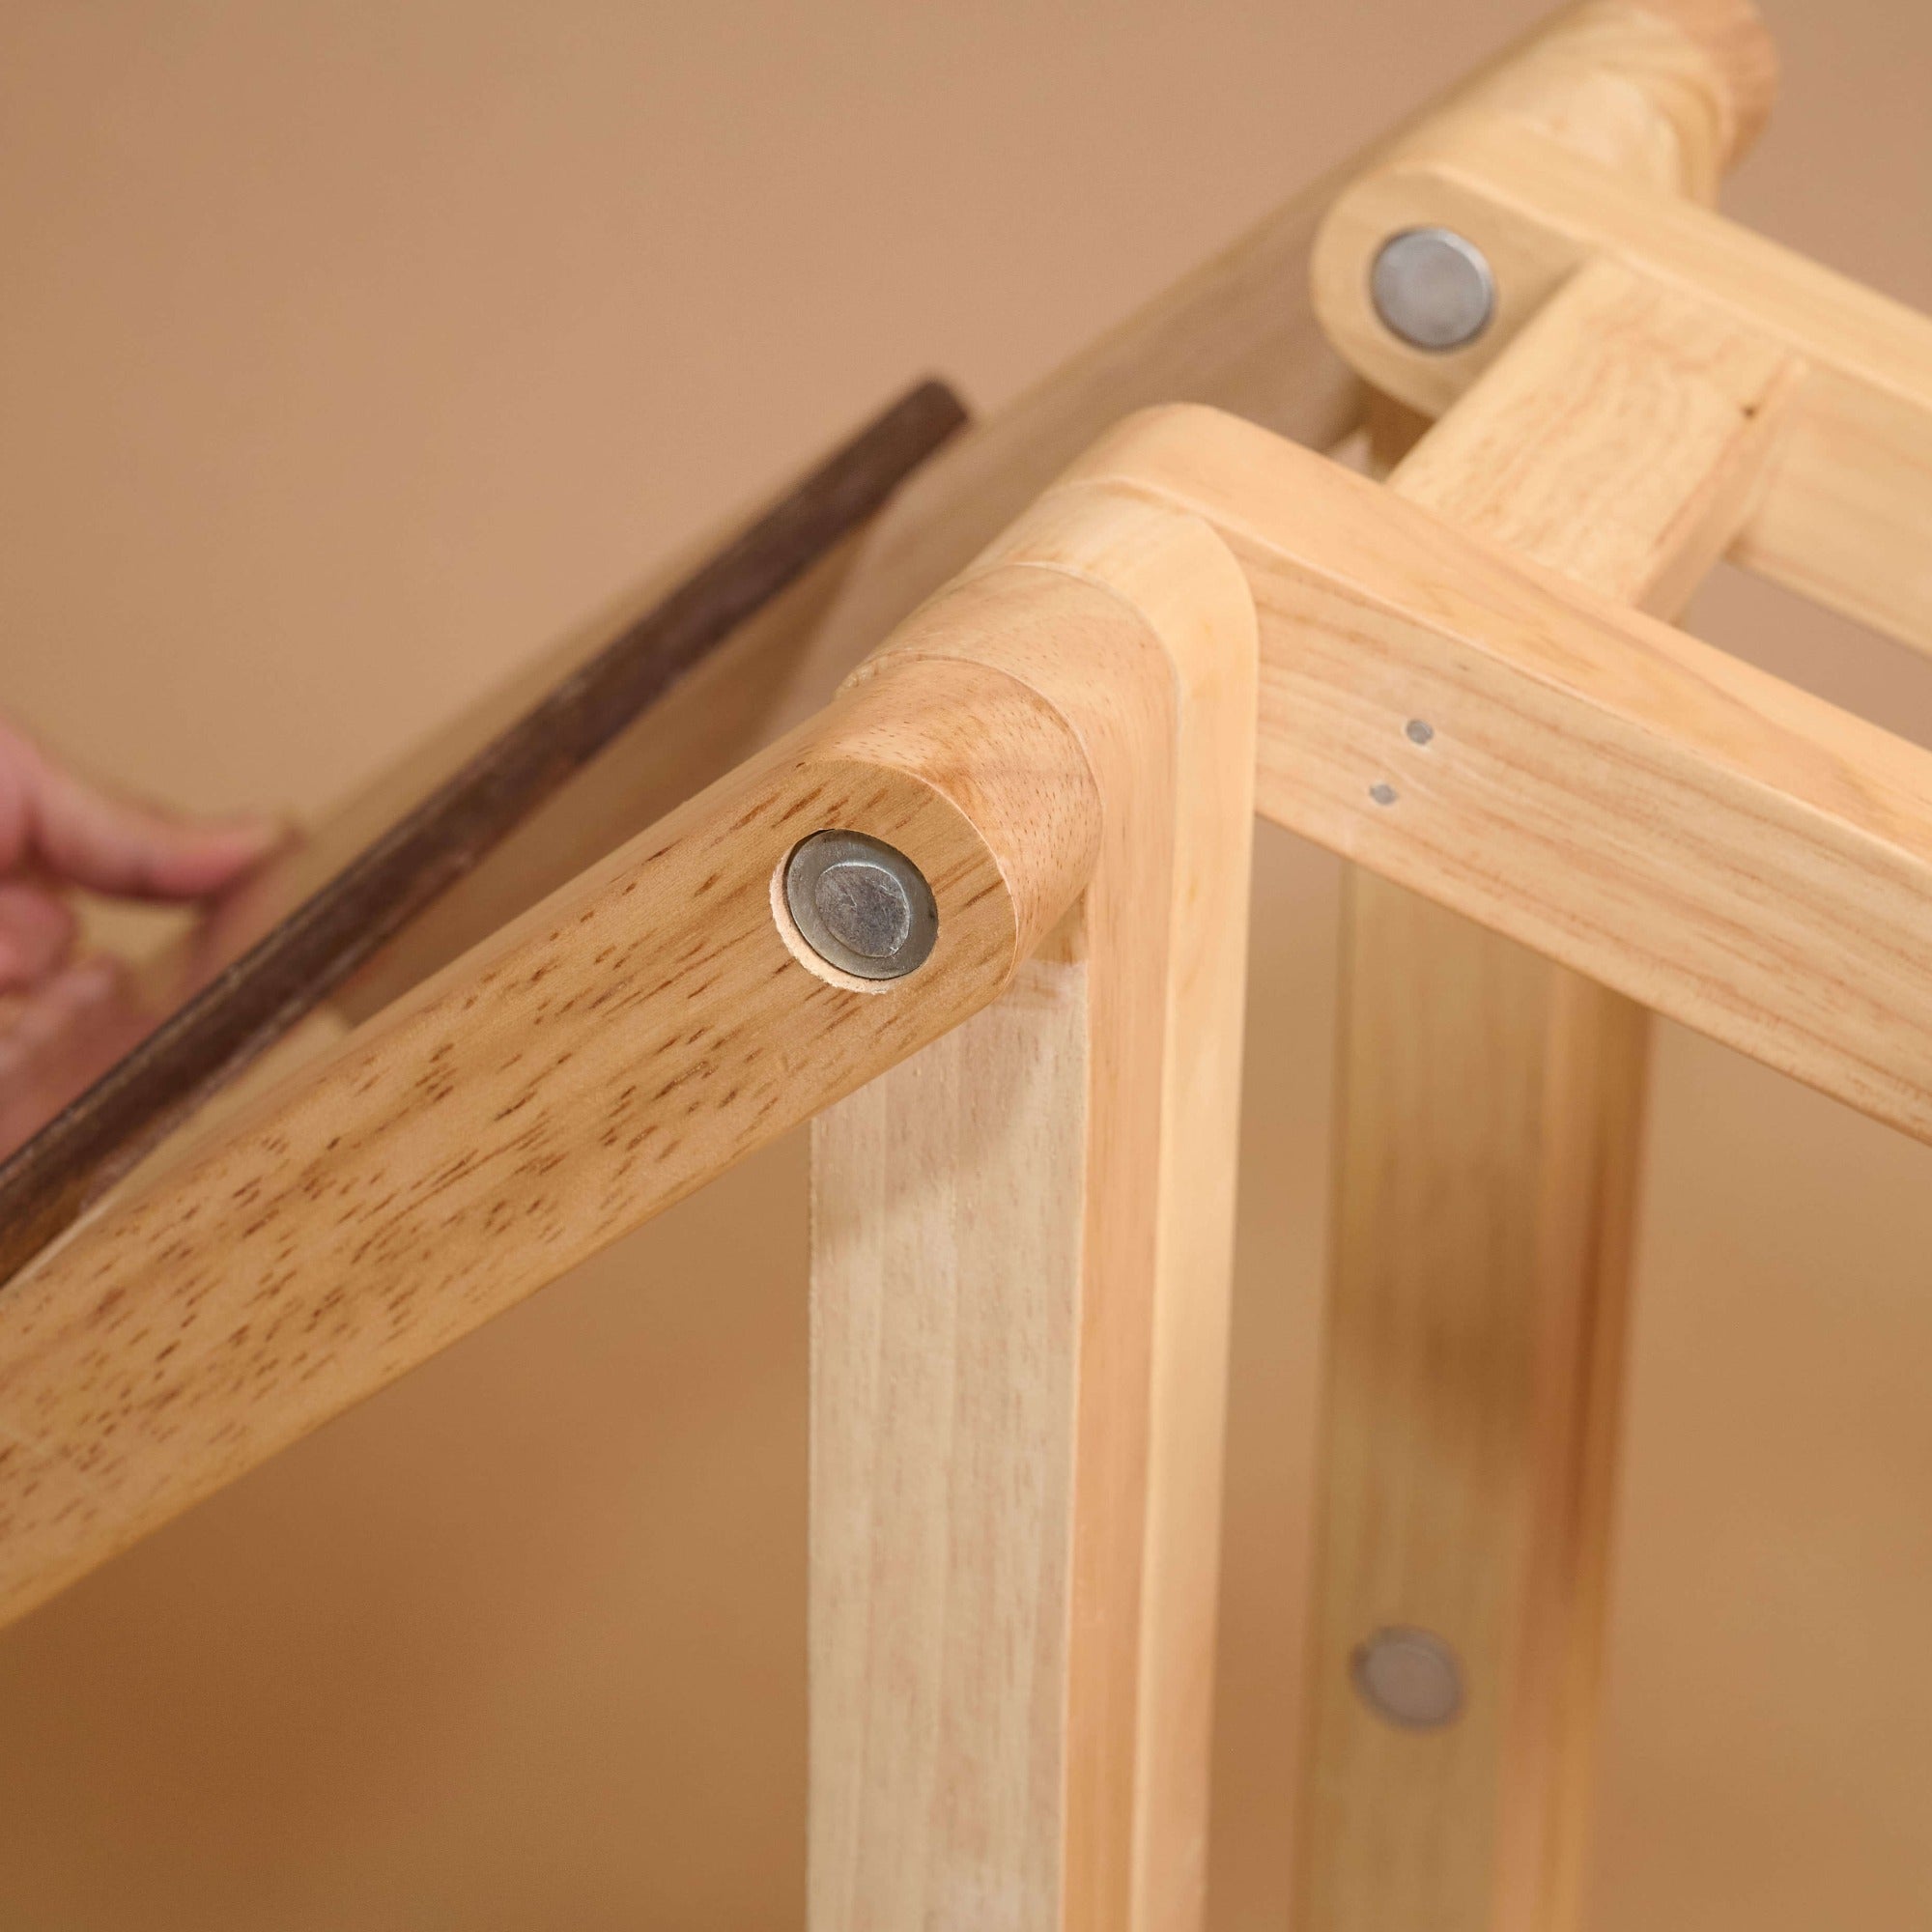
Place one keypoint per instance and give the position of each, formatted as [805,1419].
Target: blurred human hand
[64,1020]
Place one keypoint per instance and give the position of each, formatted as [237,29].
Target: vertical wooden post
[1488,1151]
[1020,1250]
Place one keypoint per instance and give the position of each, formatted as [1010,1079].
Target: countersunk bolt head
[860,904]
[1409,1677]
[1432,288]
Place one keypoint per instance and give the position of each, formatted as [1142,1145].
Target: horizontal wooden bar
[1689,830]
[591,1065]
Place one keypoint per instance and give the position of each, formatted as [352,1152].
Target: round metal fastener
[1432,288]
[1409,1677]
[862,905]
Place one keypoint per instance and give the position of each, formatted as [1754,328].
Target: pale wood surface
[1842,518]
[1687,81]
[614,1465]
[1733,36]
[1491,1108]
[1021,1242]
[591,1065]
[1679,410]
[1239,332]
[1701,837]
[946,1228]
[1668,92]
[1483,1117]
[1187,591]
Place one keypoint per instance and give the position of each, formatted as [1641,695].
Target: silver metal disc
[860,904]
[1409,1677]
[1432,288]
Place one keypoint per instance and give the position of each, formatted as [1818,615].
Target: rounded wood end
[1733,34]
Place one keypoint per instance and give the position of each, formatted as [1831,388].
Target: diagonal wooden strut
[572,1076]
[1641,806]
[323,940]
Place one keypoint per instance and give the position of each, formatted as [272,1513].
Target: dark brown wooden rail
[254,1000]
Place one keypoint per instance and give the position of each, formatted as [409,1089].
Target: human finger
[88,836]
[37,932]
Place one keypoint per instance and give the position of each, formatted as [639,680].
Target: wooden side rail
[1640,805]
[1238,332]
[1491,1100]
[1565,812]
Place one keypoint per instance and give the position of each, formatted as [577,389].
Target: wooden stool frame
[1060,672]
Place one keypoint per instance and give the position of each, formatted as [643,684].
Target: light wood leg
[1487,1156]
[1020,1253]
[1491,1115]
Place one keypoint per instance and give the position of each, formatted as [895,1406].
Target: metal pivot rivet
[860,904]
[1382,794]
[1418,731]
[1408,1677]
[1432,288]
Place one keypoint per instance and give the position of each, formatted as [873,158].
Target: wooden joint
[1595,784]
[1545,189]
[590,1064]
[1021,1247]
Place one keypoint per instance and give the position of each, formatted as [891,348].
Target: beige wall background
[350,351]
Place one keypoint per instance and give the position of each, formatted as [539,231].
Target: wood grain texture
[1021,1245]
[1667,93]
[1186,586]
[1842,518]
[1243,333]
[1238,332]
[1641,806]
[1491,1108]
[946,1233]
[1733,37]
[365,895]
[593,1063]
[1679,412]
